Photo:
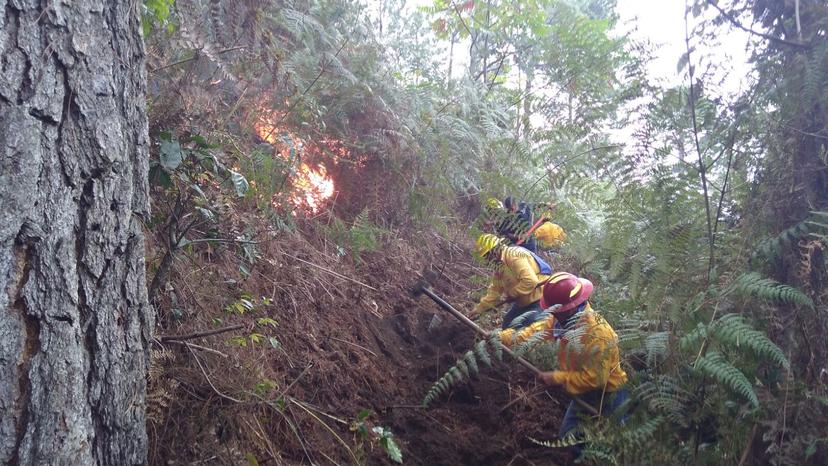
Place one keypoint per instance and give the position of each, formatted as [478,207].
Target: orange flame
[312,187]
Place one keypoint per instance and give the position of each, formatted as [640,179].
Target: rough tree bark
[74,318]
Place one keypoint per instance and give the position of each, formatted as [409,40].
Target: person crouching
[589,361]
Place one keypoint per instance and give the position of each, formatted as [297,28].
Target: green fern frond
[753,284]
[456,375]
[566,441]
[656,346]
[717,367]
[530,343]
[495,343]
[482,354]
[731,329]
[642,433]
[600,454]
[694,338]
[773,247]
[465,367]
[667,396]
[471,363]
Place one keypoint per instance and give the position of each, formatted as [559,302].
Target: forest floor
[338,348]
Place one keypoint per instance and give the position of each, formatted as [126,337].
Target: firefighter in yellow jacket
[516,225]
[518,279]
[589,361]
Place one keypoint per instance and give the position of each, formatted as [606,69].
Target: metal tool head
[417,288]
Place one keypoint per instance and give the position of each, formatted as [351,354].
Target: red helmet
[567,290]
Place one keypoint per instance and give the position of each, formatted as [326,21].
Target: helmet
[567,290]
[493,206]
[485,243]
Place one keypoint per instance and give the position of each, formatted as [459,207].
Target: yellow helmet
[493,203]
[485,243]
[493,206]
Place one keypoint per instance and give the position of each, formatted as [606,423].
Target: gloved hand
[474,313]
[551,377]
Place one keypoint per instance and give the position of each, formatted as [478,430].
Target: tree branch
[702,171]
[194,57]
[769,37]
[206,333]
[307,89]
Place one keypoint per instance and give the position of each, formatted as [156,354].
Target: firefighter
[589,361]
[514,221]
[518,279]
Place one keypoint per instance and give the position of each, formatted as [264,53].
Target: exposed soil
[343,348]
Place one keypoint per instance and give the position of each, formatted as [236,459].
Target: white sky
[662,23]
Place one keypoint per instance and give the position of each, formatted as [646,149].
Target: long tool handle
[529,232]
[462,318]
[465,320]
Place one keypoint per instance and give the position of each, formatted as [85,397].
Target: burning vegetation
[312,184]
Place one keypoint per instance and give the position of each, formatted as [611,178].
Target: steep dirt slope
[342,348]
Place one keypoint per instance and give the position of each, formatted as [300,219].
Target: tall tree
[74,319]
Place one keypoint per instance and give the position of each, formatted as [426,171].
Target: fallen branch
[208,378]
[336,274]
[207,333]
[301,374]
[525,396]
[356,345]
[199,347]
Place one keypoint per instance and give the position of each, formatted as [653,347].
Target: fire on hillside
[312,186]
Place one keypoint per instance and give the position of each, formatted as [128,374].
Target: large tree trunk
[74,319]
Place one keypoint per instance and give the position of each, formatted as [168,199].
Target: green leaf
[274,343]
[170,154]
[200,141]
[159,177]
[281,404]
[716,366]
[251,459]
[264,321]
[239,341]
[240,183]
[388,444]
[811,450]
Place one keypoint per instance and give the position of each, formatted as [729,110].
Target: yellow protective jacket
[550,235]
[588,357]
[517,280]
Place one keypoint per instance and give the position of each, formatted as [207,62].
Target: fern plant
[732,330]
[715,365]
[813,225]
[754,285]
[466,367]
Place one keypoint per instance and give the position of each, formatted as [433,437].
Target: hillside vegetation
[311,161]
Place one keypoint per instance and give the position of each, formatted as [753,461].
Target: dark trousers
[527,315]
[575,413]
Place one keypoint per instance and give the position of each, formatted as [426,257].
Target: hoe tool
[423,288]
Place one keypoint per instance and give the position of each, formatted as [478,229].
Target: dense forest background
[310,160]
